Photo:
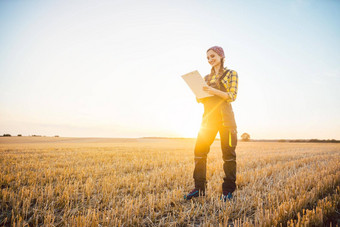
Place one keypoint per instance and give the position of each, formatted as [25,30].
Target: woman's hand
[210,90]
[213,91]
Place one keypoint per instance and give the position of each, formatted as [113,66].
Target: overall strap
[225,73]
[222,77]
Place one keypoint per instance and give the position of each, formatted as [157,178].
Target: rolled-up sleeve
[230,82]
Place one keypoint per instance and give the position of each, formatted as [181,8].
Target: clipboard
[196,83]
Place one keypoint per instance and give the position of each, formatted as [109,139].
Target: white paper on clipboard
[196,82]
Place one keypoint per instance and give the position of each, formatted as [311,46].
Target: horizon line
[162,137]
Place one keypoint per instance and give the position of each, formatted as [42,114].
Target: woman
[218,117]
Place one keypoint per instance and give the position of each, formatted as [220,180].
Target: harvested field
[127,182]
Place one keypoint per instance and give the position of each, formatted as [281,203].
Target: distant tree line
[8,135]
[311,141]
[246,137]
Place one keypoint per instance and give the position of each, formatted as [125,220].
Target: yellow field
[128,182]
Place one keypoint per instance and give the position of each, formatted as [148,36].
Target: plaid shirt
[230,82]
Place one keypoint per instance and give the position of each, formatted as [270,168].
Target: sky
[113,68]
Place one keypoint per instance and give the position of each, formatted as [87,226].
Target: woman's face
[213,58]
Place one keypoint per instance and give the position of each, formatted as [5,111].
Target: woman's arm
[213,91]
